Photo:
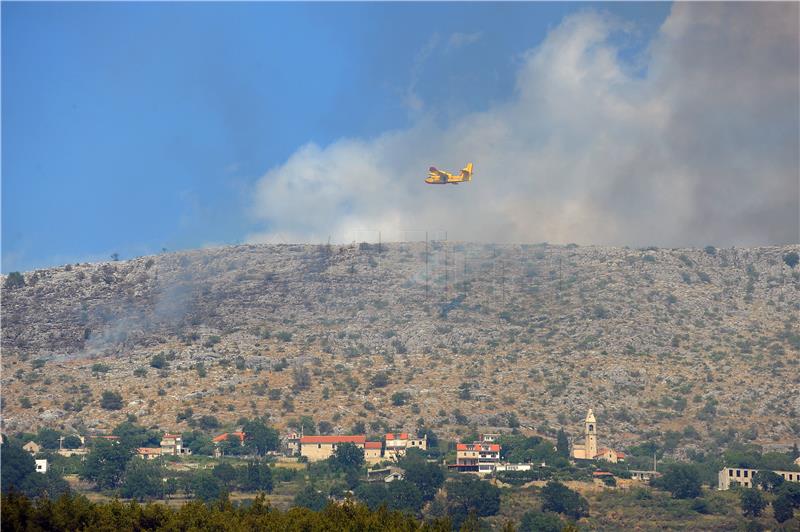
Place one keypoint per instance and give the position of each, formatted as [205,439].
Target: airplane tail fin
[468,171]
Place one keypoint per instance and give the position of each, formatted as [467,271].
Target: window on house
[745,473]
[738,473]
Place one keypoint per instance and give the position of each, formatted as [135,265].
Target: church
[588,450]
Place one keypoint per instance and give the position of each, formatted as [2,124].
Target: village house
[290,443]
[148,453]
[477,457]
[317,448]
[743,476]
[610,455]
[373,452]
[32,447]
[397,443]
[386,474]
[41,466]
[172,445]
[224,437]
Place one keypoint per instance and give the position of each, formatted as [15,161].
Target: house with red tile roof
[373,452]
[226,436]
[398,442]
[148,453]
[316,448]
[610,455]
[477,457]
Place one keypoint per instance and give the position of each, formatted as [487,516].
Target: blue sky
[134,127]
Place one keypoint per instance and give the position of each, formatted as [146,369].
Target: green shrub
[14,280]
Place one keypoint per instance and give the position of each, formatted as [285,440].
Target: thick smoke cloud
[698,145]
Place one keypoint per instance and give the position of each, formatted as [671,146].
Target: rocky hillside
[654,340]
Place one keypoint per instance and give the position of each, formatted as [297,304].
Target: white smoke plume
[698,145]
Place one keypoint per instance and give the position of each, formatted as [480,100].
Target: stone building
[743,476]
[149,453]
[373,452]
[32,447]
[317,448]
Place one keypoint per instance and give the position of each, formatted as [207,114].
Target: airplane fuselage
[440,177]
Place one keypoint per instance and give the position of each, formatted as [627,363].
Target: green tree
[132,435]
[373,494]
[427,477]
[380,379]
[260,438]
[206,486]
[782,508]
[105,464]
[225,473]
[199,444]
[49,485]
[143,480]
[310,498]
[208,422]
[753,502]
[232,446]
[400,398]
[17,464]
[792,491]
[72,442]
[558,498]
[541,522]
[562,444]
[791,259]
[347,456]
[471,495]
[14,280]
[48,438]
[403,495]
[256,476]
[681,480]
[767,480]
[111,400]
[158,361]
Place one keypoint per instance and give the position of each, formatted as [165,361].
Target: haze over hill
[480,335]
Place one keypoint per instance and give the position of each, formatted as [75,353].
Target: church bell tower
[590,424]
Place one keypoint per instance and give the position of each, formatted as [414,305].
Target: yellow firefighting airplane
[440,177]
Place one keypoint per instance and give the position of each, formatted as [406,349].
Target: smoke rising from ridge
[699,147]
